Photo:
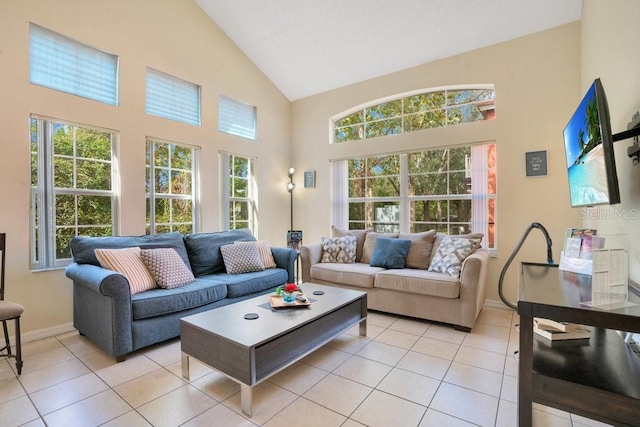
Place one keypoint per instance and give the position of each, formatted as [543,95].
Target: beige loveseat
[411,291]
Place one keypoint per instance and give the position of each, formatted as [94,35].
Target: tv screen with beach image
[586,161]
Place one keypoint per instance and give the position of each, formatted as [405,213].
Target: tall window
[171,187]
[72,188]
[60,63]
[451,190]
[415,112]
[240,192]
[236,117]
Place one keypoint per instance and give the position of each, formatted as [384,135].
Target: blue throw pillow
[390,253]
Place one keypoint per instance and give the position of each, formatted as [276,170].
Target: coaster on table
[251,316]
[318,292]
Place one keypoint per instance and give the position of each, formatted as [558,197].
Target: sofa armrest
[309,255]
[286,258]
[102,307]
[473,278]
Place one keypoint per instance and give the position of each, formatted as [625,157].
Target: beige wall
[173,36]
[610,34]
[537,84]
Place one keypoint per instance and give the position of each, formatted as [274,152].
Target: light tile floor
[406,372]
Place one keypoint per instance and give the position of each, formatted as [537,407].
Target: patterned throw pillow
[127,262]
[451,252]
[339,249]
[241,257]
[166,267]
[264,248]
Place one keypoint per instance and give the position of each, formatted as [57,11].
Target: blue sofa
[105,311]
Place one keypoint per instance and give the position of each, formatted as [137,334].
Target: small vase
[288,297]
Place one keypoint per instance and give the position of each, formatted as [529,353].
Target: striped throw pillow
[127,261]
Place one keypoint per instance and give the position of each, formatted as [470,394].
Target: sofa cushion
[158,302]
[452,251]
[204,249]
[357,274]
[370,244]
[390,253]
[419,255]
[127,261]
[419,282]
[339,249]
[243,284]
[360,237]
[83,247]
[241,257]
[166,267]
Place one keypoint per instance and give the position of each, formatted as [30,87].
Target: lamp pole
[290,187]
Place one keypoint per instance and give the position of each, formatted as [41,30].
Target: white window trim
[195,186]
[43,195]
[225,190]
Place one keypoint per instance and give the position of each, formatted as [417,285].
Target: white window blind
[236,118]
[172,98]
[60,63]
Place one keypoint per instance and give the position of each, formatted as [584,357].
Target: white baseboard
[496,304]
[45,333]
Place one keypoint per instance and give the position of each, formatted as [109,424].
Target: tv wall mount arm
[633,130]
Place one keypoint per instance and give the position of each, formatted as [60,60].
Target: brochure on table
[604,258]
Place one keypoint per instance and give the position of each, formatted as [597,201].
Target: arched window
[415,111]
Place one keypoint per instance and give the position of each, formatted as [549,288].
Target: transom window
[416,112]
[72,188]
[171,187]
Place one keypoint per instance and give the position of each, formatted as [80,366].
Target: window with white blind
[236,117]
[60,63]
[172,98]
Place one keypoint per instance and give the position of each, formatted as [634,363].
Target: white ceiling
[310,46]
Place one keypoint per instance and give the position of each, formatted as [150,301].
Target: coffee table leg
[185,366]
[246,397]
[363,327]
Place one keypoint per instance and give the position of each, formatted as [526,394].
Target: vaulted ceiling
[307,47]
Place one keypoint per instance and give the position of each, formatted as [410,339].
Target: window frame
[42,217]
[227,176]
[404,200]
[151,195]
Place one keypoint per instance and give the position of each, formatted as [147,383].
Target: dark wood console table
[598,378]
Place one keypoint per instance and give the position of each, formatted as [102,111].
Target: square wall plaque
[536,163]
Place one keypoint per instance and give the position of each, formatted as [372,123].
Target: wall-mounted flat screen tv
[588,147]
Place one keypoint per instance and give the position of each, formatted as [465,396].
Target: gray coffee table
[249,351]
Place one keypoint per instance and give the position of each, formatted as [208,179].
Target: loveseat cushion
[419,255]
[247,283]
[420,282]
[83,247]
[158,302]
[356,274]
[204,249]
